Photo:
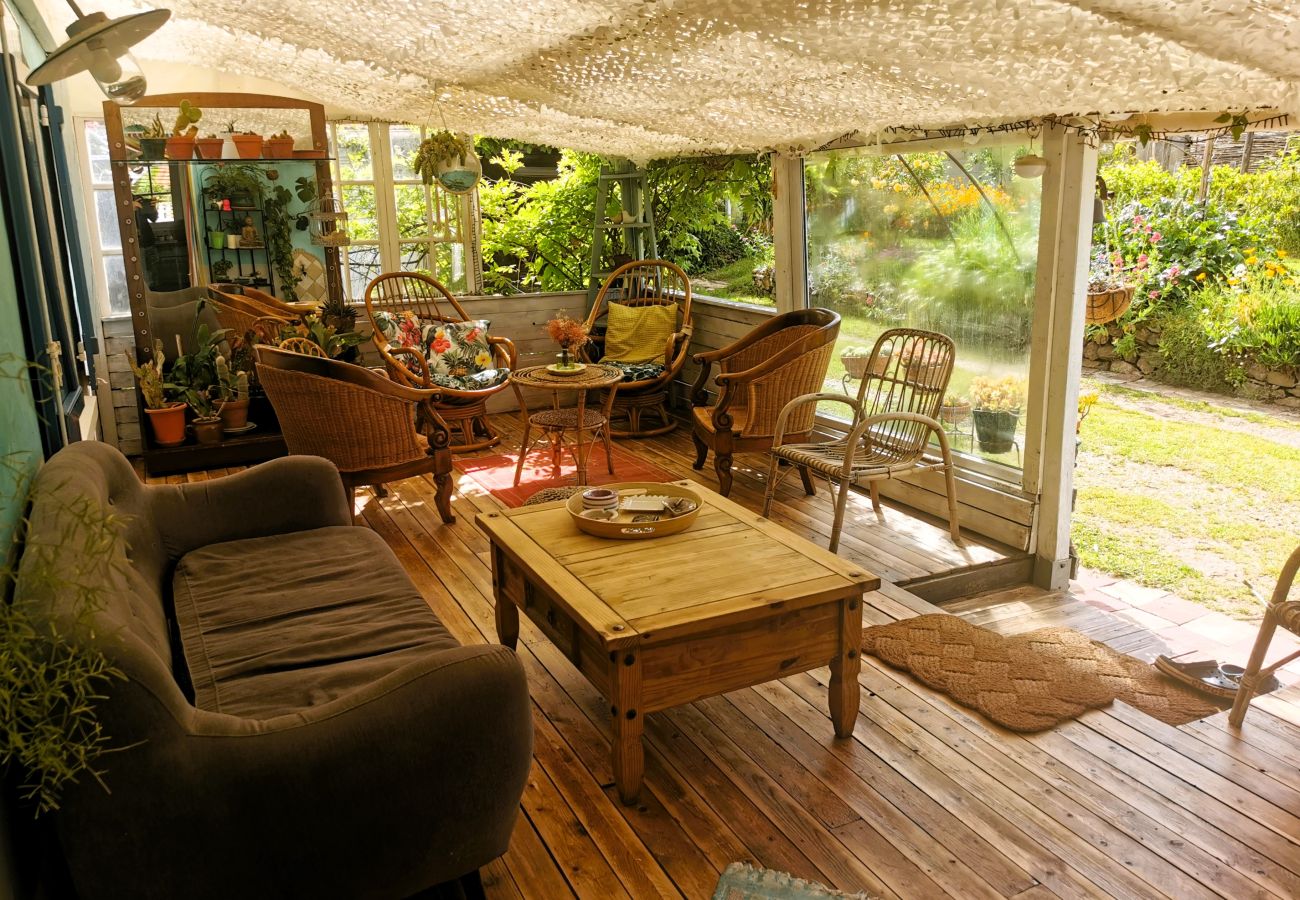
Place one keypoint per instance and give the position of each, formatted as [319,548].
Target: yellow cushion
[639,333]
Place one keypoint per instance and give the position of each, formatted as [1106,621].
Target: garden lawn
[1187,497]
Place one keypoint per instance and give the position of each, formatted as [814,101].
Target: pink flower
[1173,271]
[1155,238]
[1153,294]
[1138,220]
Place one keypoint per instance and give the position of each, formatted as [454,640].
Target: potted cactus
[207,425]
[279,146]
[248,144]
[181,143]
[153,140]
[166,416]
[209,146]
[233,390]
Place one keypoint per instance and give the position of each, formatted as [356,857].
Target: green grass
[738,283]
[1186,505]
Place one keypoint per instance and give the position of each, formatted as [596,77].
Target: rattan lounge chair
[464,395]
[785,357]
[373,429]
[1281,613]
[647,381]
[894,415]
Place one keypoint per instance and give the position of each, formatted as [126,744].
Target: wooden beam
[1064,246]
[789,238]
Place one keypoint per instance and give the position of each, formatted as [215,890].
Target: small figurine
[248,234]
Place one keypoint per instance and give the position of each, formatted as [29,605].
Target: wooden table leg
[507,614]
[580,451]
[844,689]
[629,754]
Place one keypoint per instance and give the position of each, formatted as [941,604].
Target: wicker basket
[855,366]
[1107,306]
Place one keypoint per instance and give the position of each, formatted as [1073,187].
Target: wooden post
[1247,149]
[1207,169]
[789,239]
[1056,361]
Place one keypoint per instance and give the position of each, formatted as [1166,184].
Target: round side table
[554,423]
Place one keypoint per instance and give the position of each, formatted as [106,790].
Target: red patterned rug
[496,474]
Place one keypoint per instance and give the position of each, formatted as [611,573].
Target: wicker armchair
[244,313]
[466,410]
[785,357]
[374,430]
[893,417]
[1281,613]
[646,387]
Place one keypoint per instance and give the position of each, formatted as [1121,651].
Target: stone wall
[1280,386]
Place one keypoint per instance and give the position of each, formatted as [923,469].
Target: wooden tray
[623,528]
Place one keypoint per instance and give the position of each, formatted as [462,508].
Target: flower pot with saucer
[167,424]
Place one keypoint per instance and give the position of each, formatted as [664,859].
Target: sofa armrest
[412,780]
[294,493]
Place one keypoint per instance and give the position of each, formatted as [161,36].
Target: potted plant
[209,146]
[1110,288]
[855,361]
[181,143]
[954,410]
[153,140]
[232,387]
[166,415]
[571,335]
[248,144]
[996,405]
[279,146]
[336,343]
[207,425]
[221,269]
[240,183]
[450,160]
[217,238]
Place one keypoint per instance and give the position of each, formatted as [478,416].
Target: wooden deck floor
[927,799]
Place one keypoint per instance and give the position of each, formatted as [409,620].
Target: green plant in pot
[336,344]
[153,140]
[232,388]
[996,404]
[207,425]
[855,360]
[194,377]
[241,184]
[449,160]
[166,414]
[221,269]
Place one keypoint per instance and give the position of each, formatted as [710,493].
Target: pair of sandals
[1211,677]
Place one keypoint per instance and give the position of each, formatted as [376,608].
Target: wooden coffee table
[733,601]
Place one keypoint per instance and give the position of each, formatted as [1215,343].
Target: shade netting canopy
[654,78]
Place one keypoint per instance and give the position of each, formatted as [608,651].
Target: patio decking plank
[927,799]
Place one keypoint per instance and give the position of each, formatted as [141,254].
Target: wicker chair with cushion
[427,340]
[893,417]
[646,308]
[1281,613]
[373,429]
[785,357]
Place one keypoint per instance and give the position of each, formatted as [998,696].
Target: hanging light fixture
[101,46]
[1031,165]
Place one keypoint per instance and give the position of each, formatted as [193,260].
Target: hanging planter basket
[459,175]
[1107,306]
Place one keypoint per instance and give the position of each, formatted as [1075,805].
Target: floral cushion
[642,371]
[458,353]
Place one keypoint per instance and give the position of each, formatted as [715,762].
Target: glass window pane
[405,141]
[110,238]
[97,152]
[418,258]
[115,277]
[352,147]
[411,203]
[363,267]
[359,201]
[930,241]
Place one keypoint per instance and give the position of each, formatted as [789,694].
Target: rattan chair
[241,314]
[305,346]
[465,410]
[645,283]
[785,357]
[373,429]
[895,413]
[1281,613]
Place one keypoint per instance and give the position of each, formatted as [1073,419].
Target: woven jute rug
[742,881]
[1031,681]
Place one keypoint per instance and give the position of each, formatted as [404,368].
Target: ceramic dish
[623,526]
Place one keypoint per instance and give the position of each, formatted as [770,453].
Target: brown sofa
[295,721]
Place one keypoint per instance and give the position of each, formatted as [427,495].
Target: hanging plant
[449,160]
[279,241]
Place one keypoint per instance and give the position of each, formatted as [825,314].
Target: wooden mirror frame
[119,163]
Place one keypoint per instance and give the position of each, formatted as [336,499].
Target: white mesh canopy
[652,78]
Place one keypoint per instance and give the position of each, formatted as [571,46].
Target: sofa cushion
[637,334]
[277,624]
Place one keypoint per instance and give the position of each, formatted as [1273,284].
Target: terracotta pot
[208,431]
[279,148]
[180,148]
[248,145]
[168,425]
[209,148]
[234,414]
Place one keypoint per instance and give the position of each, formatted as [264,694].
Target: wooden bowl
[623,528]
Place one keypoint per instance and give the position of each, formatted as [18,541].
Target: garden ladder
[638,235]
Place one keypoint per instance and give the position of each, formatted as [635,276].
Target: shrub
[719,246]
[1187,357]
[1256,315]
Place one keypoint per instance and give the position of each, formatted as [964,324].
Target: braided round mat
[1031,681]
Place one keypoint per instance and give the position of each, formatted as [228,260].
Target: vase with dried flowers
[571,335]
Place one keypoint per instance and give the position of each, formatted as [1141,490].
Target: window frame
[390,242]
[95,253]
